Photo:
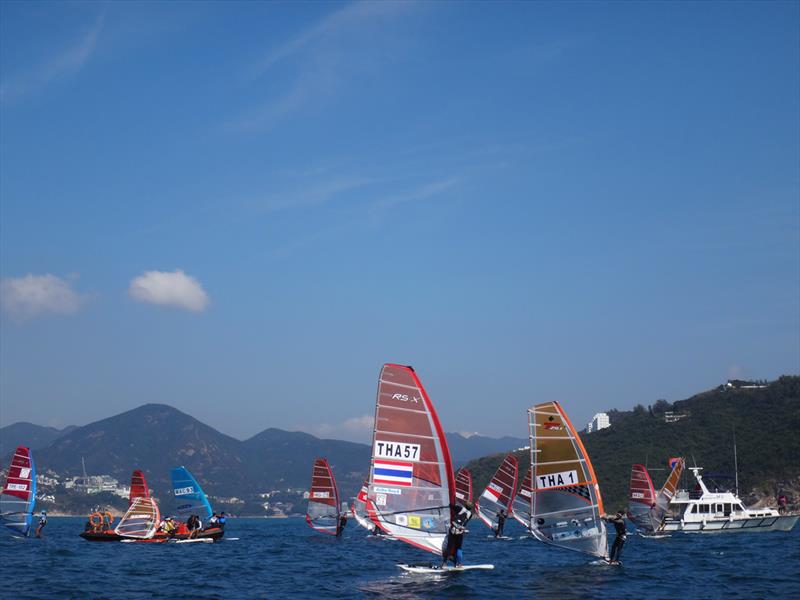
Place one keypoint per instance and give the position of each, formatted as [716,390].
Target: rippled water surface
[284,558]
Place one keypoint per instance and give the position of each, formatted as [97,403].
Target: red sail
[323,500]
[464,485]
[139,487]
[500,492]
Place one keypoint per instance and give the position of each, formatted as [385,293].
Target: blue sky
[245,209]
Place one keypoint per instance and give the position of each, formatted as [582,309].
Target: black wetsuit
[622,535]
[342,524]
[501,522]
[455,535]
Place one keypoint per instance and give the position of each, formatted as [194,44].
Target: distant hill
[28,434]
[766,422]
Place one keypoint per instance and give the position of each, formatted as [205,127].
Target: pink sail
[499,494]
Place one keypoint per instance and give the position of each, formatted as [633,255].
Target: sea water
[284,558]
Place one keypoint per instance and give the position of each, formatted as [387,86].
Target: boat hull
[779,523]
[214,533]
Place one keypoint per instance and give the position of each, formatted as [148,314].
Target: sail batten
[565,505]
[18,496]
[411,484]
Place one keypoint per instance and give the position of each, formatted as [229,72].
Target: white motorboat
[704,511]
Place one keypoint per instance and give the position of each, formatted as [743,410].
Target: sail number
[396,450]
[17,487]
[182,491]
[556,479]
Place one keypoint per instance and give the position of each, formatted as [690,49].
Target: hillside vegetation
[766,422]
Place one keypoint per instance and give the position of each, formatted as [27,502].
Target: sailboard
[19,493]
[521,507]
[322,513]
[189,496]
[141,519]
[411,483]
[359,508]
[566,505]
[434,569]
[499,493]
[464,485]
[139,487]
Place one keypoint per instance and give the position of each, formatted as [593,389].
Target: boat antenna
[735,461]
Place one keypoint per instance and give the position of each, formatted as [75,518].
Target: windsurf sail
[499,493]
[322,513]
[521,508]
[664,496]
[19,494]
[139,487]
[464,485]
[189,496]
[411,484]
[359,508]
[566,505]
[141,520]
[642,500]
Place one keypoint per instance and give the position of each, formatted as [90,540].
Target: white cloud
[35,295]
[358,429]
[174,288]
[68,61]
[426,191]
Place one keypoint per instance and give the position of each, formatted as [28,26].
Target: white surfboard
[502,537]
[203,540]
[447,569]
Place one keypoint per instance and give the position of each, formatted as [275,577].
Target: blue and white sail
[19,493]
[189,496]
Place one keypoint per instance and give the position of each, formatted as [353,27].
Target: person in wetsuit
[455,535]
[618,521]
[341,524]
[501,522]
[42,523]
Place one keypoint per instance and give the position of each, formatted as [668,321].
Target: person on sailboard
[501,522]
[342,524]
[42,523]
[455,535]
[618,521]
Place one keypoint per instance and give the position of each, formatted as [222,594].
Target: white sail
[141,520]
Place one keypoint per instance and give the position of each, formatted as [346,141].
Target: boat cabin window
[727,509]
[703,508]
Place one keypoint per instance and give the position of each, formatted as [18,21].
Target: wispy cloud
[31,296]
[67,62]
[423,192]
[326,54]
[356,429]
[175,288]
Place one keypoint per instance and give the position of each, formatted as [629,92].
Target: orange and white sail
[566,505]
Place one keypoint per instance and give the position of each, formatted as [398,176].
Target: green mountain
[765,422]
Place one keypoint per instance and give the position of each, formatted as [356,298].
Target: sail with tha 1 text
[411,483]
[499,493]
[19,493]
[566,505]
[322,513]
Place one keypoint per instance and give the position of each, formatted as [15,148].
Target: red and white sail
[566,505]
[666,493]
[521,508]
[359,508]
[141,520]
[464,485]
[642,500]
[411,483]
[18,496]
[323,500]
[139,487]
[499,493]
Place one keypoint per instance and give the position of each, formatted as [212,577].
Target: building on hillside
[673,417]
[740,384]
[598,422]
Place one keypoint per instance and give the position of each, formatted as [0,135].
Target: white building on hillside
[598,422]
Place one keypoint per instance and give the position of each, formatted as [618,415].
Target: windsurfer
[342,524]
[501,522]
[622,534]
[42,523]
[455,535]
